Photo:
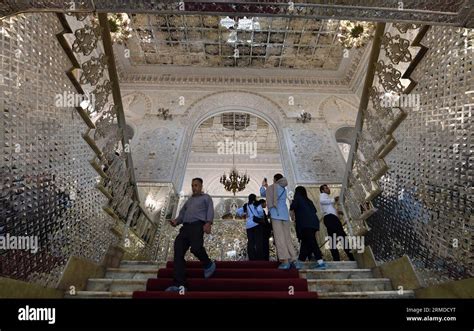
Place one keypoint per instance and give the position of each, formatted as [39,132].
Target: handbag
[256,219]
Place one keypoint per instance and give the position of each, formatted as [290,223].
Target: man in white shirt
[332,222]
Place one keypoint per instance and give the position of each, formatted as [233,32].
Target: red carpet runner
[231,280]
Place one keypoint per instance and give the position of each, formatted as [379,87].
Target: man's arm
[210,210]
[209,215]
[294,205]
[180,217]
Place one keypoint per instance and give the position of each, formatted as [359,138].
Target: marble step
[160,264]
[333,265]
[322,295]
[336,274]
[99,295]
[142,265]
[116,285]
[131,273]
[349,285]
[367,295]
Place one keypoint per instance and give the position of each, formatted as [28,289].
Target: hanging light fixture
[234,182]
[120,27]
[304,117]
[355,34]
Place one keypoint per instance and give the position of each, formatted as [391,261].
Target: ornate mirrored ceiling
[254,42]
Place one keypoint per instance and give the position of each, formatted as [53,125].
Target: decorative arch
[232,101]
[220,94]
[344,138]
[345,134]
[130,98]
[337,109]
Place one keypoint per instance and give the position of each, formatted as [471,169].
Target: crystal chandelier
[304,117]
[355,34]
[235,182]
[120,27]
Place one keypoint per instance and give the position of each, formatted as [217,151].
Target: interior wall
[309,151]
[425,209]
[48,186]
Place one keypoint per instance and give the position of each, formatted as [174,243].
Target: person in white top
[253,210]
[332,222]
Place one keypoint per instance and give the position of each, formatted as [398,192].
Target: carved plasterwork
[337,111]
[155,153]
[315,156]
[225,101]
[136,104]
[330,111]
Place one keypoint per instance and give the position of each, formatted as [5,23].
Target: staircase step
[336,274]
[349,285]
[225,295]
[230,265]
[99,295]
[230,285]
[341,265]
[367,295]
[266,264]
[131,273]
[142,265]
[197,264]
[116,285]
[235,273]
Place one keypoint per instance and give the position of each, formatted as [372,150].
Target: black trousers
[267,232]
[334,226]
[190,235]
[309,245]
[255,243]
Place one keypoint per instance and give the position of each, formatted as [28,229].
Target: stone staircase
[340,280]
[345,280]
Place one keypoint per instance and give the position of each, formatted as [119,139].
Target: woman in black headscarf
[307,224]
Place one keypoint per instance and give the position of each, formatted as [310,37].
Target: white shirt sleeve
[240,212]
[326,200]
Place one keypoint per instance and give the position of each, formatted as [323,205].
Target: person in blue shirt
[255,231]
[196,217]
[307,224]
[267,232]
[276,201]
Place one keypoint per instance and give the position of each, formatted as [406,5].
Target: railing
[374,55]
[106,134]
[444,13]
[377,119]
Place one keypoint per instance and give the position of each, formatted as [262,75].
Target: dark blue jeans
[255,243]
[190,235]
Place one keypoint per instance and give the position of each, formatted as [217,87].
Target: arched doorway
[222,142]
[228,102]
[344,139]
